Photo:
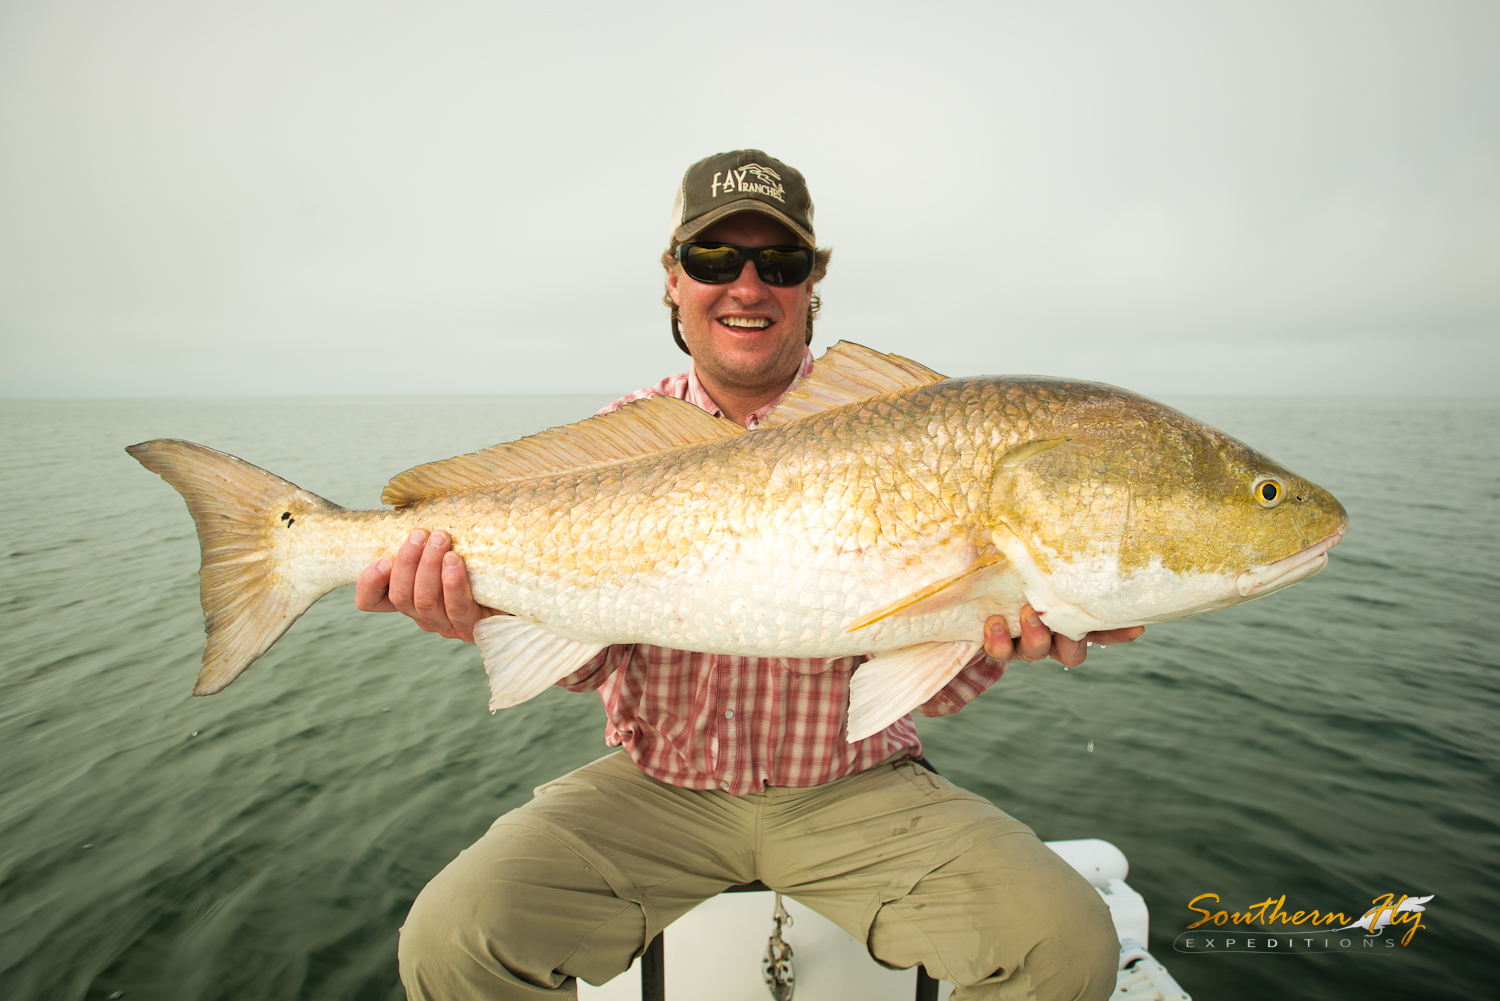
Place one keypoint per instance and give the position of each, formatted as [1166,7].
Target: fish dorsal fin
[847,373]
[641,428]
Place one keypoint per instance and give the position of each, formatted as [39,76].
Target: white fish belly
[1092,592]
[751,599]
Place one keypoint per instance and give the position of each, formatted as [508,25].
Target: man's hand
[428,583]
[1037,641]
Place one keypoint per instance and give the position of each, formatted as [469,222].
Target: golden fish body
[890,523]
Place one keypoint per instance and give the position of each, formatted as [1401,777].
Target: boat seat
[654,962]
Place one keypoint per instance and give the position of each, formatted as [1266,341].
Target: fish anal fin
[936,596]
[848,373]
[640,428]
[888,687]
[524,659]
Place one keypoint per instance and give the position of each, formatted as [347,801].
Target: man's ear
[672,275]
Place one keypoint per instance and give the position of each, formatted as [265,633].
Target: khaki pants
[576,882]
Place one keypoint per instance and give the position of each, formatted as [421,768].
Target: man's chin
[749,361]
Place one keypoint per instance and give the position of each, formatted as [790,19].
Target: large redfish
[881,508]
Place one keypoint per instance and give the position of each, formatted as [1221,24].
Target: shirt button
[729,714]
[724,785]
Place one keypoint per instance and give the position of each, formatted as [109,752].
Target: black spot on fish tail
[285,515]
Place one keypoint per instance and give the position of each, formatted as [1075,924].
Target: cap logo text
[751,178]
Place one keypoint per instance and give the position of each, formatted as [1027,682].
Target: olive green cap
[744,180]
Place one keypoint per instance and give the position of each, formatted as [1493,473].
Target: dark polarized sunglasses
[719,263]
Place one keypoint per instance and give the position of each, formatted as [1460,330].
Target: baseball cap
[743,180]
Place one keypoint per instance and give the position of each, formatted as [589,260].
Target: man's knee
[1007,918]
[514,915]
[1068,953]
[450,937]
[1080,955]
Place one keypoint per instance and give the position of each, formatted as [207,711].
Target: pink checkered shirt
[712,721]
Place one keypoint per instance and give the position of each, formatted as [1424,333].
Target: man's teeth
[754,323]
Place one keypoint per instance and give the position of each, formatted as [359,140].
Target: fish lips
[1288,570]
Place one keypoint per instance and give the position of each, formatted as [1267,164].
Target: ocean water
[1332,743]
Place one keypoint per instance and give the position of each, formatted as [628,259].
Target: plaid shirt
[713,721]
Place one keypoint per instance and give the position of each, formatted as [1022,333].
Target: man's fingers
[427,582]
[1068,653]
[1105,637]
[416,584]
[463,611]
[427,589]
[997,642]
[371,590]
[404,572]
[1036,639]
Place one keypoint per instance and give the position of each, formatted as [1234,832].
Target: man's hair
[821,257]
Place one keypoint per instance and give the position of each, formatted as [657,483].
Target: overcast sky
[201,198]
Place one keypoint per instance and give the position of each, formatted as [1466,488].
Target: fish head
[1123,511]
[1261,516]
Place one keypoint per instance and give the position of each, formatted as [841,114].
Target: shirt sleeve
[590,676]
[966,686]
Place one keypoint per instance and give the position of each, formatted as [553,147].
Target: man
[735,769]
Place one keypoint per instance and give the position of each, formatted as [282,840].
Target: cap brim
[688,230]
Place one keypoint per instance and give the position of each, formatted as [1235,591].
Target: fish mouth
[1288,570]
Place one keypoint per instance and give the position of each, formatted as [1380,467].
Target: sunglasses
[720,263]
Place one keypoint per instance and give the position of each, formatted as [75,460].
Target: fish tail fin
[251,593]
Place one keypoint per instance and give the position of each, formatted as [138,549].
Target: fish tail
[250,589]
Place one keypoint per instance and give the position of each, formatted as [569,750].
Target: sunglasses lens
[784,265]
[710,263]
[717,263]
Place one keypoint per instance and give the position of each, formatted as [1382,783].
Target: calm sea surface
[1332,743]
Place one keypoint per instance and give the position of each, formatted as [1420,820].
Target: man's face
[745,335]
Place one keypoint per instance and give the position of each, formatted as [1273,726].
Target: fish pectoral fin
[848,373]
[524,659]
[888,687]
[936,596]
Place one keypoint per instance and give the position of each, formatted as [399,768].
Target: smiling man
[747,333]
[733,769]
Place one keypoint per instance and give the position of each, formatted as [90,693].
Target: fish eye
[1268,491]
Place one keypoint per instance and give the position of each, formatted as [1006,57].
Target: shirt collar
[699,396]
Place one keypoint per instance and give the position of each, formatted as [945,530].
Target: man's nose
[748,287]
